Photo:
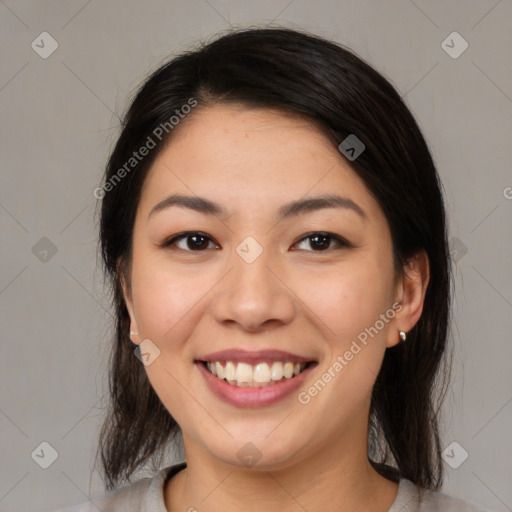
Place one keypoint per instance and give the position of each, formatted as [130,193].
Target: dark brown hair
[326,83]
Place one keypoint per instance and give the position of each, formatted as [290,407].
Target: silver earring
[133,333]
[403,336]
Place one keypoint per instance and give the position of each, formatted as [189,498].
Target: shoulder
[144,494]
[412,498]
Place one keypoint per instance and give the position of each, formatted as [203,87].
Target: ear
[410,294]
[122,272]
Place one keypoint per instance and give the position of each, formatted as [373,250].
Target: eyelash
[342,243]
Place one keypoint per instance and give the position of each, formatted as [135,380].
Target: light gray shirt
[147,495]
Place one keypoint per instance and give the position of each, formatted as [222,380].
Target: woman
[274,230]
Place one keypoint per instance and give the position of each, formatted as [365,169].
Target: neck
[339,477]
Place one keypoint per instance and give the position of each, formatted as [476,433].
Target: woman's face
[249,281]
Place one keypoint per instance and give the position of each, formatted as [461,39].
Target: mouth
[254,379]
[257,375]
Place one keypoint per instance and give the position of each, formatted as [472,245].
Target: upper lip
[256,356]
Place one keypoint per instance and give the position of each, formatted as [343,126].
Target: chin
[257,452]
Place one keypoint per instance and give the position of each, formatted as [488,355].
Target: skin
[293,297]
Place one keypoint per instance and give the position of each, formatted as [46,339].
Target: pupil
[321,237]
[197,245]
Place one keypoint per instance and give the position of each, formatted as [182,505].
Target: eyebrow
[301,206]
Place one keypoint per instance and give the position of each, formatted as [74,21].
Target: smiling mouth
[255,375]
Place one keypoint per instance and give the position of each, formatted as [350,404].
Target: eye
[320,241]
[195,241]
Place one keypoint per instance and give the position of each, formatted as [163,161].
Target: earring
[403,336]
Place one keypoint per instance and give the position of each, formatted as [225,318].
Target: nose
[254,296]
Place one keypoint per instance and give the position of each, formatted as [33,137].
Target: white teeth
[288,370]
[261,374]
[220,370]
[243,373]
[230,372]
[277,371]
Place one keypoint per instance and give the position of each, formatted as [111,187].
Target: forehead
[248,158]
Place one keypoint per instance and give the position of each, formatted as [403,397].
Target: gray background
[59,118]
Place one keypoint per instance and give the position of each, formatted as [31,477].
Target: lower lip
[252,397]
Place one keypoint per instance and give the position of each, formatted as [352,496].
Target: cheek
[349,299]
[168,308]
[167,299]
[349,304]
